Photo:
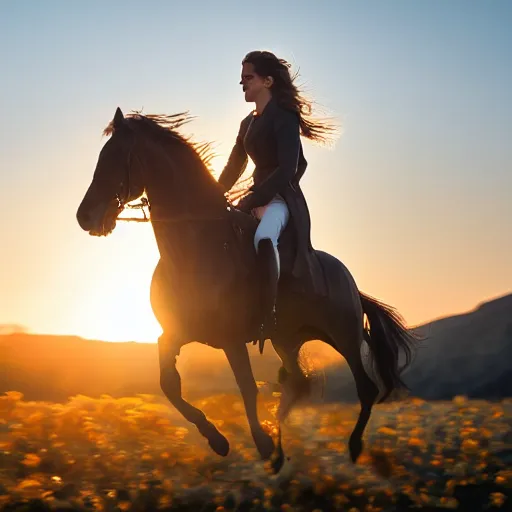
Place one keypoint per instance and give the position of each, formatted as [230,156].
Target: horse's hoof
[355,446]
[218,443]
[277,460]
[264,444]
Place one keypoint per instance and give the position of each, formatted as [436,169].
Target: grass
[138,454]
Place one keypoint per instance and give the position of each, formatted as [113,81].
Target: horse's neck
[180,186]
[176,203]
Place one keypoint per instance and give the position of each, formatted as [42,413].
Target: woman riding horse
[270,135]
[196,290]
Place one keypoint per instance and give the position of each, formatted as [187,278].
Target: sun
[113,304]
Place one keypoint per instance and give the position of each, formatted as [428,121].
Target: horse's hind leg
[170,382]
[347,341]
[367,392]
[295,384]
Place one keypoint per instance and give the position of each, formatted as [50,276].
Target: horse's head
[116,180]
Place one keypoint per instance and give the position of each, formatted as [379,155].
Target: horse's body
[205,289]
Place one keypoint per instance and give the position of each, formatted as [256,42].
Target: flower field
[138,454]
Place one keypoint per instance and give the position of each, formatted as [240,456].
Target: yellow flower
[416,441]
[31,460]
[387,431]
[470,446]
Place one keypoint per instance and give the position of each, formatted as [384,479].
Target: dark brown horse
[205,286]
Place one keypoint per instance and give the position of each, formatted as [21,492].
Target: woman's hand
[245,203]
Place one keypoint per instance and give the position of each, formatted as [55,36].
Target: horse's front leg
[238,358]
[170,382]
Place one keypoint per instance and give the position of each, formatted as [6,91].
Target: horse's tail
[387,337]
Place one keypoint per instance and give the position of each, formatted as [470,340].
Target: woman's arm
[236,164]
[287,133]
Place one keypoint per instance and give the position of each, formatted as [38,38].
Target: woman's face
[252,83]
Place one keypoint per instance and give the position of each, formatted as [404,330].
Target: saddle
[245,225]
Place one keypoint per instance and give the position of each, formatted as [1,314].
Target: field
[137,454]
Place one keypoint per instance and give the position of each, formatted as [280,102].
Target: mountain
[468,354]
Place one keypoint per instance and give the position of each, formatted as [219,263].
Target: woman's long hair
[289,96]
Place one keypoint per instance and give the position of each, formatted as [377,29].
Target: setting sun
[114,305]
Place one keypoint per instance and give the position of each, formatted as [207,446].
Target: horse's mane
[166,128]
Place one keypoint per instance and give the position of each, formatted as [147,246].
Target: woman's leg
[266,240]
[272,223]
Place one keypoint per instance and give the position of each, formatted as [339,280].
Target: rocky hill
[468,354]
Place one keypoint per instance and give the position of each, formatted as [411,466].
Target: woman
[270,135]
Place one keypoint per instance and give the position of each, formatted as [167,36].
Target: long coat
[272,140]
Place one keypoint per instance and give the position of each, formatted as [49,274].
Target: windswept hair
[290,97]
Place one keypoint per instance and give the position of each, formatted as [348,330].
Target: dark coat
[272,140]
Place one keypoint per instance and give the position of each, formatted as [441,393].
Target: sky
[414,198]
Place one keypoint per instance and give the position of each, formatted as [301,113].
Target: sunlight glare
[115,303]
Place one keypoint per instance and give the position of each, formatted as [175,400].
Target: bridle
[125,185]
[123,197]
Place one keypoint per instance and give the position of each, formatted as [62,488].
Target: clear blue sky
[414,199]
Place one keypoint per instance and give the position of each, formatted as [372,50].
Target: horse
[204,287]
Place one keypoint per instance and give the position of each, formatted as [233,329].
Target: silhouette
[204,287]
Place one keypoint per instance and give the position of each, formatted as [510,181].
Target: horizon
[8,329]
[413,199]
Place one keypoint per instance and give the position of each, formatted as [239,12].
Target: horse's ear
[118,119]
